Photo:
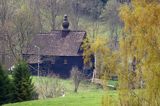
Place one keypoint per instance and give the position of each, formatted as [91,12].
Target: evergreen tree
[5,87]
[23,87]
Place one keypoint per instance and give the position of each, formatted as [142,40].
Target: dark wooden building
[56,52]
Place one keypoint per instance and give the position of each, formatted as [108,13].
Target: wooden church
[56,52]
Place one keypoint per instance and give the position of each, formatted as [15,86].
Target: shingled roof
[57,43]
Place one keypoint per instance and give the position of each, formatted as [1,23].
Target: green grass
[88,95]
[79,99]
[69,86]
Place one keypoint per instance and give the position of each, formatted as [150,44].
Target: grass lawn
[88,95]
[79,99]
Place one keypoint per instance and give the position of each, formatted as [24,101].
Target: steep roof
[57,43]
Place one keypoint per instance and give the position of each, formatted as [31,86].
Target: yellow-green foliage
[109,99]
[105,58]
[140,40]
[106,61]
[94,45]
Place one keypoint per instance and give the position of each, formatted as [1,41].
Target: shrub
[23,87]
[49,87]
[5,87]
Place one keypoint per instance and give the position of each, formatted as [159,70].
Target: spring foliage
[139,44]
[102,53]
[142,40]
[136,63]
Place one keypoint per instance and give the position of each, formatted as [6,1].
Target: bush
[49,87]
[23,87]
[5,87]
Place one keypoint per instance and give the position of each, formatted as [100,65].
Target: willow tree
[104,58]
[95,47]
[139,55]
[142,24]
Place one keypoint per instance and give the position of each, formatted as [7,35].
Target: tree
[71,8]
[5,87]
[22,31]
[53,7]
[37,15]
[105,59]
[111,17]
[3,18]
[23,86]
[141,41]
[139,55]
[77,77]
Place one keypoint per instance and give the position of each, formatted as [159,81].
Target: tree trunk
[95,65]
